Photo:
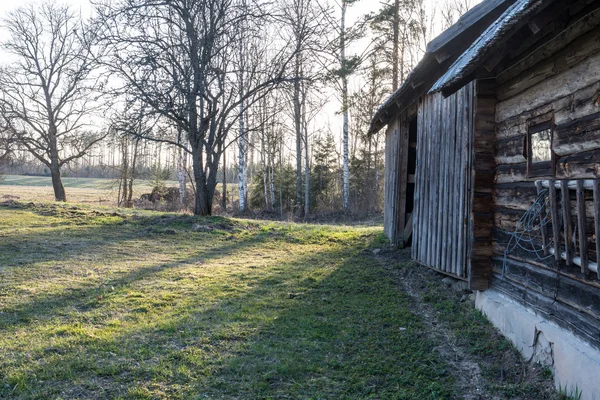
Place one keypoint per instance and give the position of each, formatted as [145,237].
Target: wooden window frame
[546,168]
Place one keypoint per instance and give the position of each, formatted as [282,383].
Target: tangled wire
[528,232]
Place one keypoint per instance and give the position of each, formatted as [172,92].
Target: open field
[104,304]
[80,190]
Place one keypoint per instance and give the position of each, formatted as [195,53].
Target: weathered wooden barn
[492,167]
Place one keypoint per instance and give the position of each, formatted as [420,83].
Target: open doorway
[410,179]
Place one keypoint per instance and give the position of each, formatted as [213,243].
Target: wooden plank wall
[391,182]
[442,197]
[561,82]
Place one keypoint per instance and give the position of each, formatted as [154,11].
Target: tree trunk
[202,204]
[346,188]
[59,189]
[306,171]
[395,56]
[224,195]
[298,131]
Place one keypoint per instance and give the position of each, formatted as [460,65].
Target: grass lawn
[81,190]
[96,304]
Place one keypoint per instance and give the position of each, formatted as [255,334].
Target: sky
[329,115]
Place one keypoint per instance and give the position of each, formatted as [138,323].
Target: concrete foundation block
[575,363]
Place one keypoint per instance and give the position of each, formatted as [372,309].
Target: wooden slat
[417,196]
[432,194]
[426,184]
[567,222]
[582,227]
[464,174]
[451,183]
[460,121]
[555,226]
[597,218]
[443,193]
[401,179]
[544,228]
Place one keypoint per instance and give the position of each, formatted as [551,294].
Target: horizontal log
[486,104]
[577,136]
[565,84]
[579,50]
[509,173]
[520,195]
[578,323]
[482,202]
[582,297]
[582,165]
[485,122]
[511,150]
[484,162]
[480,273]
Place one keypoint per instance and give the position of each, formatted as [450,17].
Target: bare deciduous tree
[48,90]
[177,58]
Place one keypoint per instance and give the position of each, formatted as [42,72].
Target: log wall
[443,182]
[562,84]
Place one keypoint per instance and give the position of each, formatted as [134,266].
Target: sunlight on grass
[97,304]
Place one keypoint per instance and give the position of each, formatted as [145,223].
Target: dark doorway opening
[411,169]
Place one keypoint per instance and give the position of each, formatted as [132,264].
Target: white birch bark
[346,177]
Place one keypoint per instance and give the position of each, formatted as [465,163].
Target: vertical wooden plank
[460,112]
[438,179]
[445,197]
[597,218]
[472,168]
[430,196]
[567,221]
[544,228]
[582,227]
[425,179]
[463,149]
[452,175]
[414,251]
[402,178]
[555,227]
[440,184]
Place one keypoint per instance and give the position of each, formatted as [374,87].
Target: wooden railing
[573,252]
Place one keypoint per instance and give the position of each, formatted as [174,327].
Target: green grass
[139,305]
[80,183]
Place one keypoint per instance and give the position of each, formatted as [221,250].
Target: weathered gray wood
[466,127]
[582,227]
[567,222]
[402,179]
[452,182]
[544,228]
[426,203]
[569,37]
[459,184]
[555,226]
[579,77]
[443,209]
[597,218]
[417,196]
[435,182]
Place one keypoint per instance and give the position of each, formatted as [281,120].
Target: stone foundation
[575,363]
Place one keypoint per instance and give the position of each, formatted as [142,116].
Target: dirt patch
[484,364]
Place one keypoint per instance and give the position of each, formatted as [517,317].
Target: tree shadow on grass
[324,325]
[84,296]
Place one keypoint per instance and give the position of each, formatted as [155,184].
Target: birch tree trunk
[346,168]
